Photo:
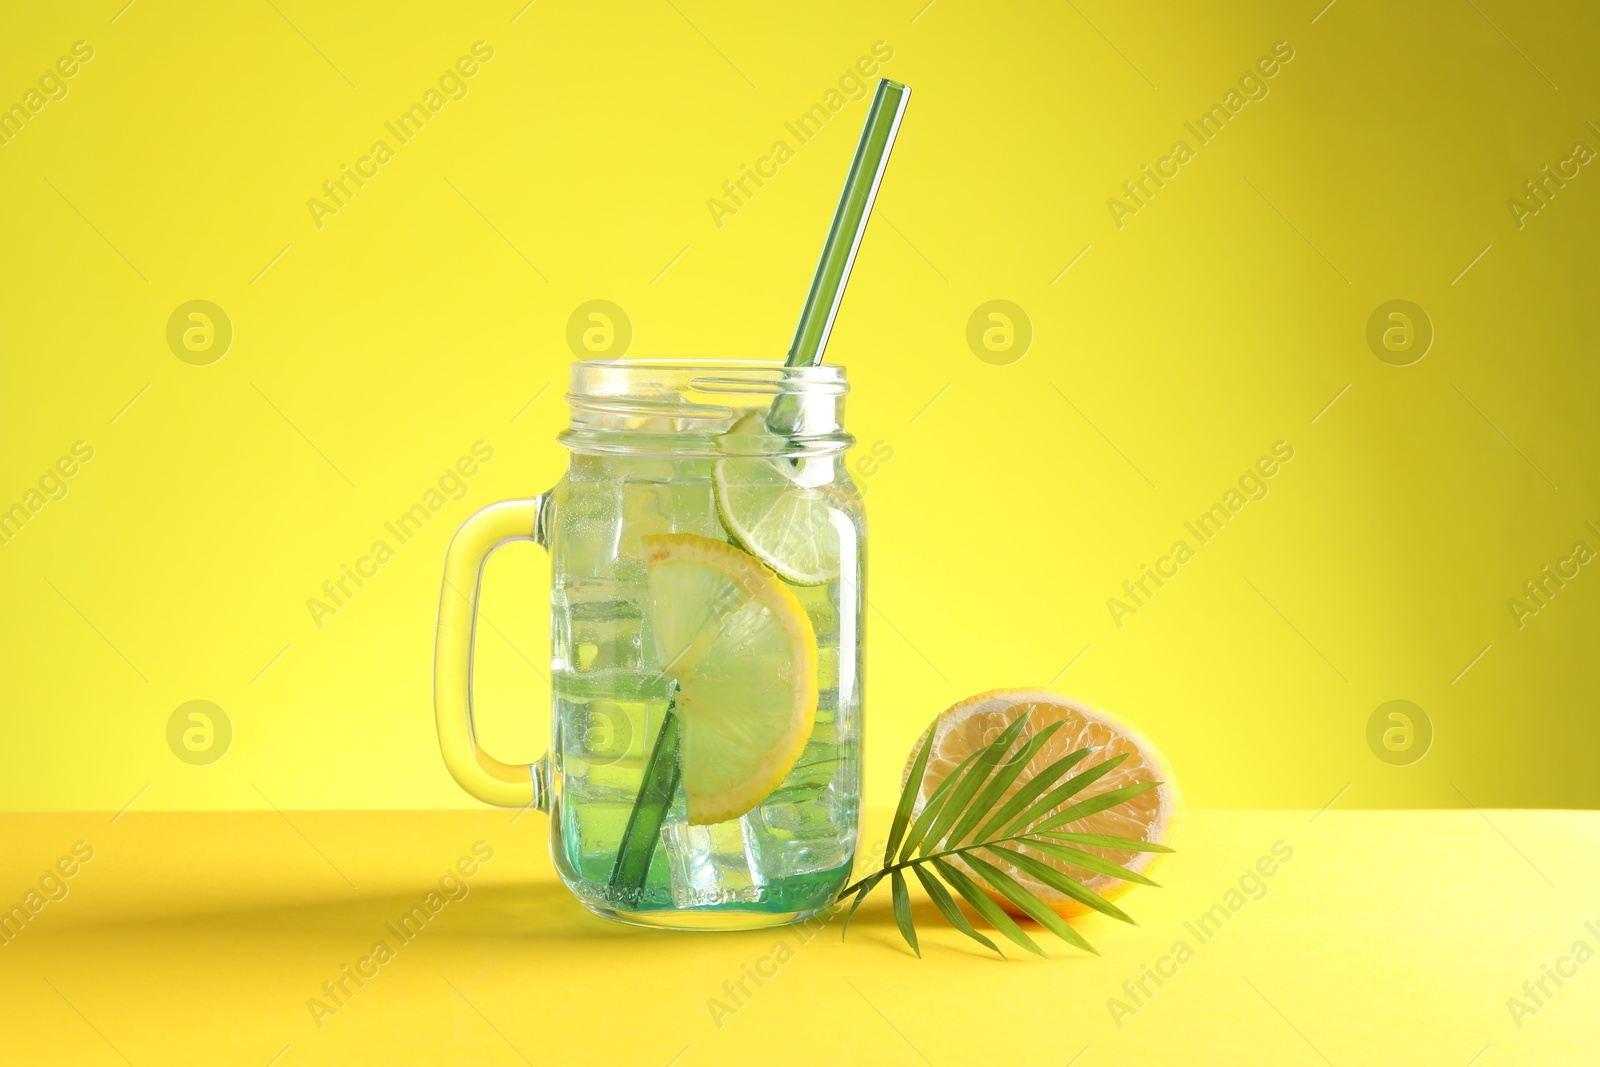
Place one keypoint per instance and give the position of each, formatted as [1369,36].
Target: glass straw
[844,238]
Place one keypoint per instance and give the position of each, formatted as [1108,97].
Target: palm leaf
[1070,788]
[992,913]
[908,798]
[1123,844]
[1030,791]
[950,909]
[902,911]
[983,804]
[1097,803]
[930,811]
[1061,882]
[867,885]
[988,758]
[968,812]
[1013,891]
[1089,861]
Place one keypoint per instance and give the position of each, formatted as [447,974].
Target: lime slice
[744,656]
[771,511]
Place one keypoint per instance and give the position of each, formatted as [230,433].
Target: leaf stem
[933,856]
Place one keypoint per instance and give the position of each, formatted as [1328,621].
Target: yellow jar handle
[511,785]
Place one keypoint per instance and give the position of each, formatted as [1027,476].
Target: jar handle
[511,785]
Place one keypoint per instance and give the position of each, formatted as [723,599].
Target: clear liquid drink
[651,456]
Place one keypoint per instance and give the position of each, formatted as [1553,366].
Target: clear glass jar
[650,444]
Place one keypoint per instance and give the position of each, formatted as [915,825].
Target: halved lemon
[743,653]
[770,509]
[1152,816]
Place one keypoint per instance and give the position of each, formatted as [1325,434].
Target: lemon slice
[744,656]
[1152,816]
[771,511]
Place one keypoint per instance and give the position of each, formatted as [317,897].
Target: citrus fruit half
[1152,816]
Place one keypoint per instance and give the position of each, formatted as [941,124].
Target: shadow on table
[874,921]
[539,910]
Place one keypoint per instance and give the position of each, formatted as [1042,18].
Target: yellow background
[426,315]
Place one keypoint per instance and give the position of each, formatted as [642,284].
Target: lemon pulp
[743,656]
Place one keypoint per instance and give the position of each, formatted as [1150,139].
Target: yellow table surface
[1387,938]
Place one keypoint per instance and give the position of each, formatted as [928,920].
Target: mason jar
[707,550]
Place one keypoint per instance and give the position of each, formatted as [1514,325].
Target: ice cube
[710,864]
[800,831]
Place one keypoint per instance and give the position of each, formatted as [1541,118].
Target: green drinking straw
[844,238]
[660,781]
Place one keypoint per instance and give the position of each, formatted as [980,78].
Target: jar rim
[680,406]
[820,373]
[675,361]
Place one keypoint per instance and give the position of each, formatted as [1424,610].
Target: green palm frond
[970,818]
